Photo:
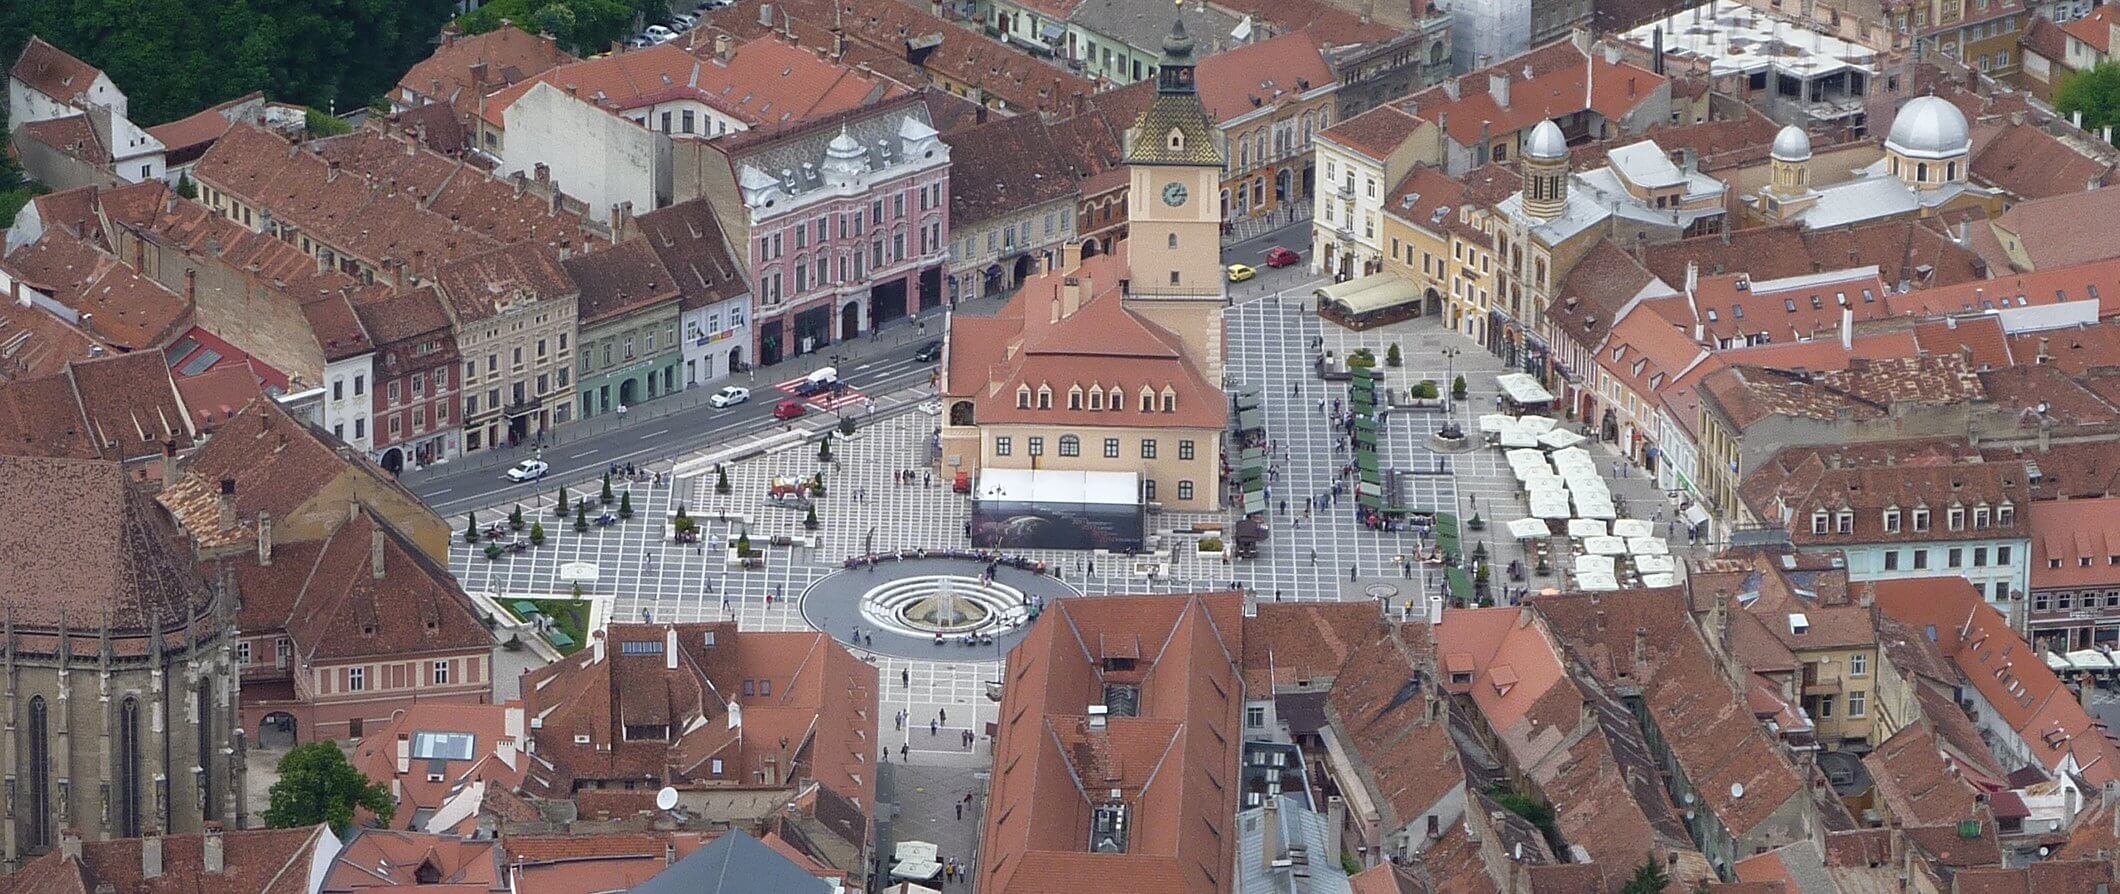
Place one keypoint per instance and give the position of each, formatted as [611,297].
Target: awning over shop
[1370,294]
[1523,389]
[1251,420]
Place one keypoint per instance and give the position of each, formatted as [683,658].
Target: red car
[789,409]
[1281,257]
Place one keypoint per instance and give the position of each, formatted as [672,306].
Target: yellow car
[1240,273]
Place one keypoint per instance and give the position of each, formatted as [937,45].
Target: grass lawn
[569,616]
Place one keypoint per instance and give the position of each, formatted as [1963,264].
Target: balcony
[1814,685]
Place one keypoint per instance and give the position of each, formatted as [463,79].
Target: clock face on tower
[1174,194]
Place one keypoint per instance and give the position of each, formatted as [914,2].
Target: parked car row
[678,23]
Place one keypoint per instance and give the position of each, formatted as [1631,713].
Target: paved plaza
[879,498]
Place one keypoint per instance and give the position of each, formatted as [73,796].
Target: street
[674,425]
[662,429]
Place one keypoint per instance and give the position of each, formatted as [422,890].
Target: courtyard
[879,498]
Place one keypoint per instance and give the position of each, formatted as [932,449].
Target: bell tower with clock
[1174,158]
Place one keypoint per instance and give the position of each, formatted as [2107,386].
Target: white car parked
[529,470]
[659,34]
[729,396]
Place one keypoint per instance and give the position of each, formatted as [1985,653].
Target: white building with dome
[1927,157]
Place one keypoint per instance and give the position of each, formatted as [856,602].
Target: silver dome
[1929,127]
[1546,142]
[1792,144]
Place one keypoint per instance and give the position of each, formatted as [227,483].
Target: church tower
[1173,208]
[1545,163]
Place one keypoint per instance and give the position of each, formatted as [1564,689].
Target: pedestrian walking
[905,678]
[943,714]
[960,811]
[902,753]
[934,727]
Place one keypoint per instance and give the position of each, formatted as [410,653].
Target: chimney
[1335,817]
[1498,87]
[375,552]
[1274,848]
[211,851]
[1600,620]
[669,648]
[1071,289]
[478,74]
[265,538]
[724,48]
[1641,652]
[70,844]
[228,505]
[404,753]
[669,851]
[151,855]
[1847,329]
[765,15]
[2044,357]
[1251,603]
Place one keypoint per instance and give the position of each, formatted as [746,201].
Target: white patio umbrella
[1526,455]
[1572,454]
[1559,437]
[1605,546]
[1495,422]
[1648,546]
[578,572]
[1529,529]
[1585,527]
[1594,565]
[1632,527]
[1659,580]
[1533,479]
[1550,505]
[1535,424]
[1591,507]
[1517,437]
[1596,581]
[1655,564]
[916,850]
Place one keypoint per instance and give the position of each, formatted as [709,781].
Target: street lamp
[1449,369]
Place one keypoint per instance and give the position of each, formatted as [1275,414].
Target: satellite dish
[1737,790]
[666,799]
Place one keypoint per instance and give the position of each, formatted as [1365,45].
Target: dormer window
[1118,399]
[1023,398]
[1955,517]
[1891,520]
[1170,401]
[1045,398]
[1818,522]
[1176,140]
[1074,398]
[2006,514]
[1982,516]
[1148,401]
[1921,518]
[1096,399]
[1844,521]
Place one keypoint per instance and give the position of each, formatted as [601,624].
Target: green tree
[515,518]
[625,505]
[581,516]
[810,521]
[2095,93]
[824,449]
[721,479]
[607,495]
[1392,356]
[317,785]
[323,124]
[537,533]
[846,426]
[1457,388]
[470,527]
[186,188]
[556,19]
[559,509]
[1649,878]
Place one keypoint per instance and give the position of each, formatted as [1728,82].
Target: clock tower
[1174,160]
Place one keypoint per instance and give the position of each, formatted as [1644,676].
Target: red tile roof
[120,307]
[1375,133]
[2006,671]
[2094,29]
[200,128]
[2031,163]
[463,69]
[53,71]
[2059,231]
[2081,537]
[1236,82]
[1103,345]
[2096,281]
[1562,81]
[1173,765]
[766,83]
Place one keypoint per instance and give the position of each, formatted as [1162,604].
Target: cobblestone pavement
[866,508]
